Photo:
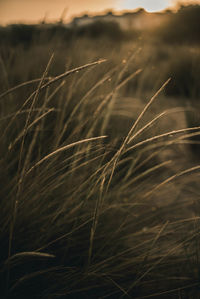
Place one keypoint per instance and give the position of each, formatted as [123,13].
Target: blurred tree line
[181,27]
[27,34]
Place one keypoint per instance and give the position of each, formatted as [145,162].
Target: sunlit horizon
[34,11]
[149,6]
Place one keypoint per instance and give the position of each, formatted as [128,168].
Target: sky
[33,11]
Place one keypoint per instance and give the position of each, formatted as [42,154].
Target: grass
[99,179]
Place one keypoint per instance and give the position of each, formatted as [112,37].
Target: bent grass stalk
[167,134]
[172,250]
[128,137]
[99,83]
[25,130]
[54,80]
[64,148]
[34,254]
[156,118]
[33,275]
[21,135]
[21,175]
[81,165]
[71,205]
[27,111]
[97,209]
[171,178]
[12,89]
[35,95]
[111,98]
[146,172]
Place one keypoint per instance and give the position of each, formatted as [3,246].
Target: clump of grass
[89,209]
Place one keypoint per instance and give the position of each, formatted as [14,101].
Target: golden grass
[88,204]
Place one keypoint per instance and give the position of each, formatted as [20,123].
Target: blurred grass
[99,184]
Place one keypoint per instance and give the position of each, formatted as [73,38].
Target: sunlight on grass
[99,172]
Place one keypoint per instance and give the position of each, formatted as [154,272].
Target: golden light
[148,5]
[35,10]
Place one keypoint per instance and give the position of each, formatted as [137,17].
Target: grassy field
[99,169]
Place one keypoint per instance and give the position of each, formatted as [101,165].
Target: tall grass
[99,185]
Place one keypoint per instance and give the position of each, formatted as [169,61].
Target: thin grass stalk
[20,176]
[59,150]
[21,135]
[167,134]
[175,290]
[158,235]
[114,160]
[156,118]
[134,166]
[5,73]
[27,111]
[12,89]
[32,275]
[75,70]
[171,251]
[86,96]
[64,235]
[145,173]
[64,108]
[171,178]
[30,110]
[122,290]
[95,220]
[129,138]
[67,173]
[62,76]
[110,99]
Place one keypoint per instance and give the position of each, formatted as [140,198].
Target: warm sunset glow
[32,11]
[151,6]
